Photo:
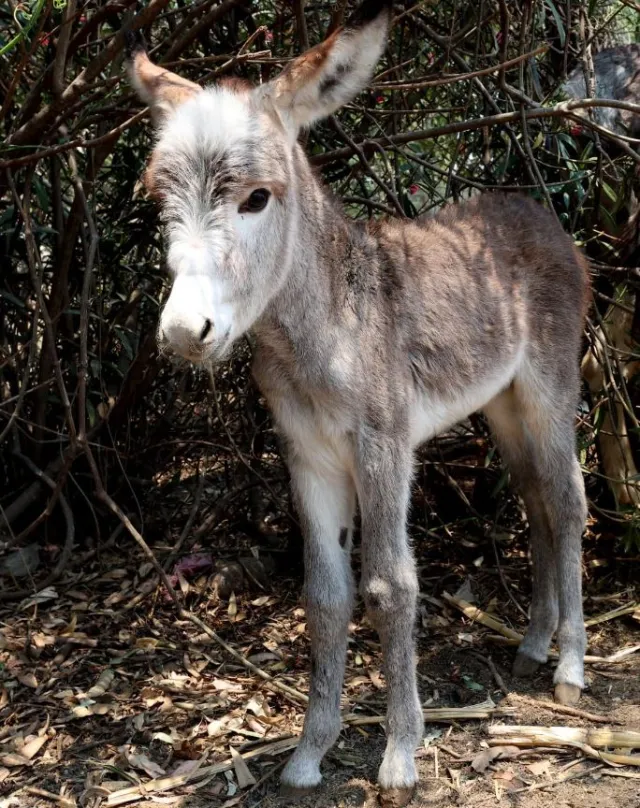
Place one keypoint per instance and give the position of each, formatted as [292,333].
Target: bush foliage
[86,402]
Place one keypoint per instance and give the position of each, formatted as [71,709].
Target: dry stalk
[589,741]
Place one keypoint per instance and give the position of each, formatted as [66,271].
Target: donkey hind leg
[538,443]
[390,587]
[516,448]
[326,504]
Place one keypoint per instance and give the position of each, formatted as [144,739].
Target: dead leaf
[151,696]
[71,627]
[376,679]
[86,710]
[28,680]
[466,591]
[232,609]
[482,760]
[216,727]
[184,584]
[102,685]
[224,684]
[539,767]
[261,601]
[14,759]
[189,767]
[506,775]
[32,747]
[114,575]
[162,736]
[141,761]
[146,642]
[243,775]
[40,597]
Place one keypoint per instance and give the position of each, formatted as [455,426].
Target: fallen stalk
[630,608]
[561,708]
[588,741]
[436,714]
[511,637]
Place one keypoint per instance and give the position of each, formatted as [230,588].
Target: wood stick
[562,708]
[589,659]
[436,714]
[594,737]
[585,740]
[611,615]
[474,613]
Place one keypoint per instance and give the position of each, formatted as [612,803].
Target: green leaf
[609,192]
[470,684]
[558,20]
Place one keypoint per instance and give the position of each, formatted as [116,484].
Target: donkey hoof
[567,694]
[524,667]
[396,797]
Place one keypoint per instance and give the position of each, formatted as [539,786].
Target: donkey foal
[371,339]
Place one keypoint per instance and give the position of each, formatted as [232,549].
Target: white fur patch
[212,120]
[431,415]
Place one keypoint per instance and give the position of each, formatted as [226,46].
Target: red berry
[413,189]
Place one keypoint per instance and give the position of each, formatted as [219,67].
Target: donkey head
[224,169]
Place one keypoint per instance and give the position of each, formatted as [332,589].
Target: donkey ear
[324,78]
[161,89]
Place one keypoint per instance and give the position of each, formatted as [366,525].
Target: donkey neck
[305,308]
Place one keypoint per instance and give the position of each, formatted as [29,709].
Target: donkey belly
[431,413]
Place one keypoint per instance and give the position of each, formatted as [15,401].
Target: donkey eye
[256,202]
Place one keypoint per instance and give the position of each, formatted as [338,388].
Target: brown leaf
[376,679]
[104,682]
[187,767]
[86,710]
[151,696]
[32,747]
[243,775]
[507,775]
[232,609]
[539,767]
[14,759]
[482,760]
[224,684]
[28,680]
[146,642]
[141,761]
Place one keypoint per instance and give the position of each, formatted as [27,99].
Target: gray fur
[617,76]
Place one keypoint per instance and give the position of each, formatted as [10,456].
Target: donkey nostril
[208,325]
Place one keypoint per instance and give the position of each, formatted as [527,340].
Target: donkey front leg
[326,504]
[390,587]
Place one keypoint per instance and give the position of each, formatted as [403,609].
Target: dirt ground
[103,689]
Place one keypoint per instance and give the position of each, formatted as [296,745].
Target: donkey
[371,338]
